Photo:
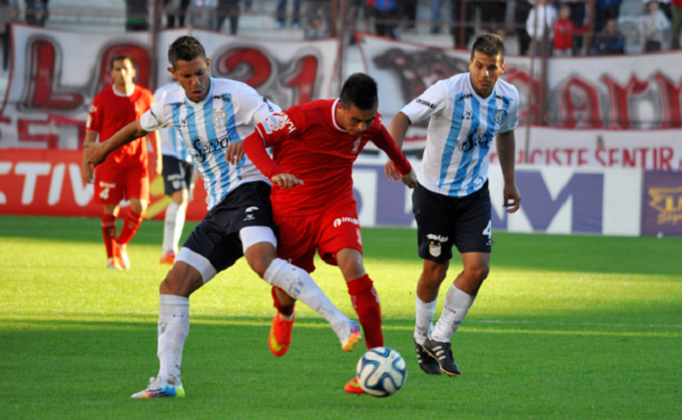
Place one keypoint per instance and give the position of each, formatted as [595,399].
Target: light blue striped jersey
[462,128]
[228,113]
[171,143]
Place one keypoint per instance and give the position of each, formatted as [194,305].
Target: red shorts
[327,233]
[114,183]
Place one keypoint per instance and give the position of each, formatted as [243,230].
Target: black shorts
[177,175]
[216,238]
[443,221]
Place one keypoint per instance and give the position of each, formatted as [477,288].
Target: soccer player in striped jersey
[451,202]
[178,176]
[213,116]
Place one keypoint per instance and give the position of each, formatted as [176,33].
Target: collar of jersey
[123,95]
[334,116]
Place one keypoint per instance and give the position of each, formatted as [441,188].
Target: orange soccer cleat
[168,258]
[352,387]
[121,252]
[280,335]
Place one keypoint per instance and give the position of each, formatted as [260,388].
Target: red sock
[109,233]
[365,300]
[284,310]
[130,225]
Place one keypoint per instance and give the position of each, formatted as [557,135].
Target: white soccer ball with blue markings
[381,372]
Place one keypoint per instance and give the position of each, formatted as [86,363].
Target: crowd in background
[560,26]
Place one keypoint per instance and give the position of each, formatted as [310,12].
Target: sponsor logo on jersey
[466,115]
[93,108]
[276,122]
[476,139]
[438,238]
[201,150]
[425,103]
[434,249]
[668,202]
[219,118]
[340,220]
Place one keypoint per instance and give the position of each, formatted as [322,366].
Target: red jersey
[110,112]
[309,144]
[564,29]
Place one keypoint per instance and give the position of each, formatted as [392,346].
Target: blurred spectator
[282,14]
[314,10]
[228,9]
[665,6]
[493,14]
[408,12]
[384,10]
[36,12]
[9,12]
[610,41]
[316,27]
[460,18]
[543,25]
[202,14]
[564,30]
[521,12]
[677,23]
[136,15]
[652,27]
[605,10]
[175,9]
[577,15]
[436,6]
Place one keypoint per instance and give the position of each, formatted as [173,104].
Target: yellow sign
[668,202]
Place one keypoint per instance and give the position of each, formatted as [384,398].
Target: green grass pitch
[565,327]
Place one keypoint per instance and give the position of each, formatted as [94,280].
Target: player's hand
[285,181]
[158,165]
[391,171]
[94,153]
[512,198]
[410,179]
[234,152]
[87,173]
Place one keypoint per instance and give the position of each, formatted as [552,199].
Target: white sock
[424,315]
[455,308]
[173,331]
[172,228]
[298,284]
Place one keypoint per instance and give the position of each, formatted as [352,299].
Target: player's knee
[259,257]
[478,272]
[178,283]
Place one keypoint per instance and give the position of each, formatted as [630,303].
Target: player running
[315,145]
[212,116]
[124,175]
[178,176]
[451,202]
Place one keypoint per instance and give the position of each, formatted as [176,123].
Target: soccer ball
[381,372]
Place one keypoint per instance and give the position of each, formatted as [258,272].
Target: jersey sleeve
[95,113]
[385,142]
[253,109]
[434,100]
[154,118]
[511,120]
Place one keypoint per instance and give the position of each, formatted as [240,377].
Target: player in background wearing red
[124,174]
[315,145]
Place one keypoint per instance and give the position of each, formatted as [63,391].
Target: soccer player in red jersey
[315,146]
[124,173]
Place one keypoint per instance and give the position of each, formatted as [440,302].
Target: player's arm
[255,146]
[506,151]
[95,153]
[403,169]
[86,171]
[158,157]
[398,128]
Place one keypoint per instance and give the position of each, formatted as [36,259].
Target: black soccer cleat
[428,364]
[443,354]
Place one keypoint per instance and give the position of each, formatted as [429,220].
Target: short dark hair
[121,57]
[359,90]
[490,45]
[185,48]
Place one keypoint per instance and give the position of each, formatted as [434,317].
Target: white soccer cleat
[349,335]
[122,252]
[158,389]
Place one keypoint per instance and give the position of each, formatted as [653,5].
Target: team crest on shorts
[219,118]
[434,249]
